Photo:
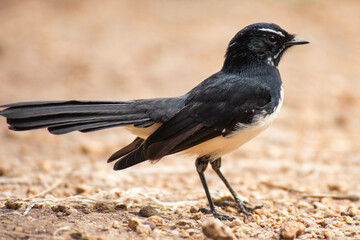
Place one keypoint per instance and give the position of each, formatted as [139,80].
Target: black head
[259,42]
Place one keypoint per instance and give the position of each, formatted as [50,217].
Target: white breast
[221,145]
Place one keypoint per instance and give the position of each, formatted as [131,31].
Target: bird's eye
[272,39]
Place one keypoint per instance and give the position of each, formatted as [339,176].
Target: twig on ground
[52,187]
[286,188]
[28,209]
[139,193]
[61,229]
[334,196]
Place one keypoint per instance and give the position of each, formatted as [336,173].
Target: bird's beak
[296,41]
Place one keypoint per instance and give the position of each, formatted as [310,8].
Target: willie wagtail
[219,115]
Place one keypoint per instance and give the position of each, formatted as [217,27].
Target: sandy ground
[304,168]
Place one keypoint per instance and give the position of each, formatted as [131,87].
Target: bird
[216,117]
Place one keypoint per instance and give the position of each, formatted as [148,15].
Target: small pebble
[61,210]
[194,209]
[13,205]
[291,230]
[328,235]
[354,211]
[236,223]
[194,231]
[148,211]
[356,217]
[320,206]
[116,224]
[3,171]
[335,187]
[32,191]
[329,213]
[215,229]
[143,229]
[349,220]
[81,189]
[303,204]
[185,224]
[325,222]
[18,229]
[84,236]
[183,233]
[120,207]
[263,212]
[338,224]
[134,222]
[83,208]
[151,224]
[76,235]
[198,216]
[46,165]
[159,221]
[86,210]
[39,206]
[101,207]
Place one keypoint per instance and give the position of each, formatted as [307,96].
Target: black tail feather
[131,159]
[61,117]
[127,149]
[66,119]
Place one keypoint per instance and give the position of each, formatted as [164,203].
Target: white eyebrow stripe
[272,31]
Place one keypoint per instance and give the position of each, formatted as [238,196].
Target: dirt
[304,169]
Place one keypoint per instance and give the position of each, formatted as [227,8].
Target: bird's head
[260,42]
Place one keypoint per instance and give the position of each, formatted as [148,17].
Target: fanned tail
[61,117]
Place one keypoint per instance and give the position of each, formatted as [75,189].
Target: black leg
[216,164]
[201,165]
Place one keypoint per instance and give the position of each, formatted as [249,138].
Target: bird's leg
[201,165]
[216,164]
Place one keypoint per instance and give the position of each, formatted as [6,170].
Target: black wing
[212,109]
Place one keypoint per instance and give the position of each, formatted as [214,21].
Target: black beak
[296,41]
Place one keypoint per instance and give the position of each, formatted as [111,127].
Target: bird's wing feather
[211,110]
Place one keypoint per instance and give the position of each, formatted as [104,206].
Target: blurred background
[119,50]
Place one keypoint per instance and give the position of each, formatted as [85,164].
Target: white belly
[219,146]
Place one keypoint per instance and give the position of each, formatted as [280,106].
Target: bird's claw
[222,216]
[205,210]
[216,214]
[242,207]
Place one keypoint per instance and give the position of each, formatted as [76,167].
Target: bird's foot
[216,214]
[242,207]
